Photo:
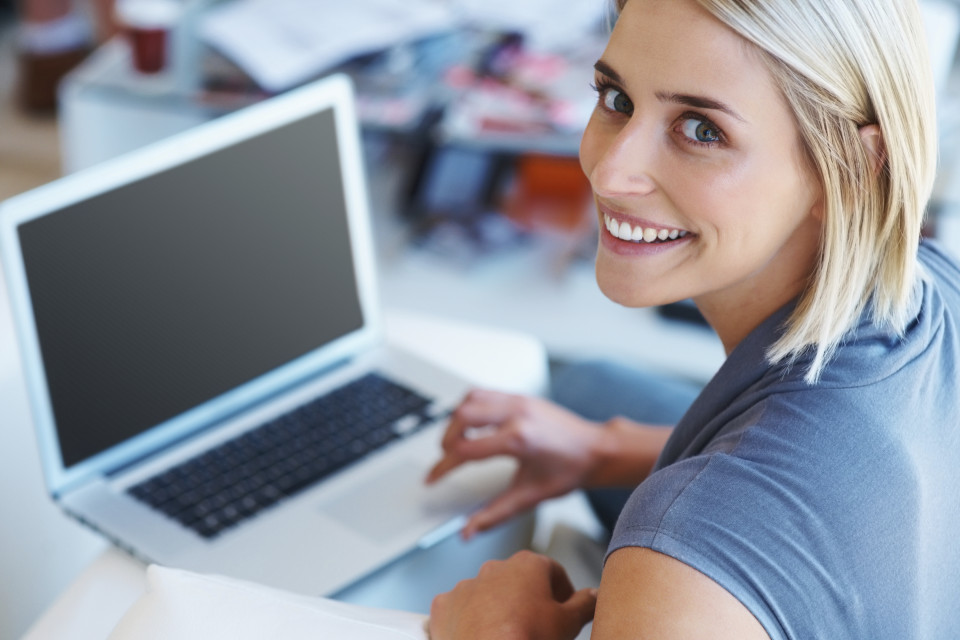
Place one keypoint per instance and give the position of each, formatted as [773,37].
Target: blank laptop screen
[165,293]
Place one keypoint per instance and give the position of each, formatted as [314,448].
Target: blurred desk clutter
[464,87]
[472,114]
[393,46]
[489,69]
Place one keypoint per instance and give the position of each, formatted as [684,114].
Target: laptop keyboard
[241,477]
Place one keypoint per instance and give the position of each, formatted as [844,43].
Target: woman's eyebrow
[698,102]
[608,71]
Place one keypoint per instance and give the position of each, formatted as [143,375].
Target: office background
[496,250]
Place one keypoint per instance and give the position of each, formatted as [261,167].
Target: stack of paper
[282,43]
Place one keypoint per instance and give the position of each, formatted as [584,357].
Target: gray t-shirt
[832,510]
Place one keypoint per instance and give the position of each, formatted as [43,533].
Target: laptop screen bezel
[333,92]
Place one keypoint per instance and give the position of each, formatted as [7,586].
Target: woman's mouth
[640,234]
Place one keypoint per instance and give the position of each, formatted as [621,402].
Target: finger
[437,612]
[580,608]
[480,408]
[560,585]
[506,505]
[499,443]
[444,466]
[506,440]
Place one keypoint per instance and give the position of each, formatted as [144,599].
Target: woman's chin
[629,291]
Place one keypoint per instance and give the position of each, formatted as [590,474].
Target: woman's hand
[526,597]
[555,449]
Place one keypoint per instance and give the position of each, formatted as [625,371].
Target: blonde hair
[841,65]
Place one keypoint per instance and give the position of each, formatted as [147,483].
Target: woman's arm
[645,594]
[624,453]
[557,450]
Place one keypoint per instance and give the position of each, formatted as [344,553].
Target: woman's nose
[623,162]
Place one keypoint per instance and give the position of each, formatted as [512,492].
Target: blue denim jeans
[600,391]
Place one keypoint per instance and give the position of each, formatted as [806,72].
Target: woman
[772,161]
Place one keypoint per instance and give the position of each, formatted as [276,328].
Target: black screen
[165,293]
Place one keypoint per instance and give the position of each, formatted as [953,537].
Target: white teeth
[619,228]
[624,231]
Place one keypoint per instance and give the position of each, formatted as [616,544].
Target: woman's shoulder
[871,354]
[781,508]
[903,364]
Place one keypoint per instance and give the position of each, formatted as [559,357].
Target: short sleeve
[789,532]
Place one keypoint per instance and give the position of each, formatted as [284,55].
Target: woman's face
[697,170]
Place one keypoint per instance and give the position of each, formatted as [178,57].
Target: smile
[638,234]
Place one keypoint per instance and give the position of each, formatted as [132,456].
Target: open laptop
[202,344]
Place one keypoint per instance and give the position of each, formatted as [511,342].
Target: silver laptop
[201,338]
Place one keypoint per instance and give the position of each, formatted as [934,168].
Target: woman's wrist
[623,453]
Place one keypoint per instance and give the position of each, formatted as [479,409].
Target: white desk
[42,552]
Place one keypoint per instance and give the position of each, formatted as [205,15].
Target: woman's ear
[872,139]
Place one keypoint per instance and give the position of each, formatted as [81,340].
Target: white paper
[190,606]
[282,43]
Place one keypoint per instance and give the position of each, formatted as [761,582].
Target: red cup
[147,25]
[149,49]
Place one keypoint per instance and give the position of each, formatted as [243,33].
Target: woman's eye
[700,130]
[615,100]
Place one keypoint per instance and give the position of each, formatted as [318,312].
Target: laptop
[205,360]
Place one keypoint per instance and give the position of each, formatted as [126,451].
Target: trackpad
[397,501]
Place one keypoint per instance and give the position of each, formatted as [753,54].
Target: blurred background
[471,113]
